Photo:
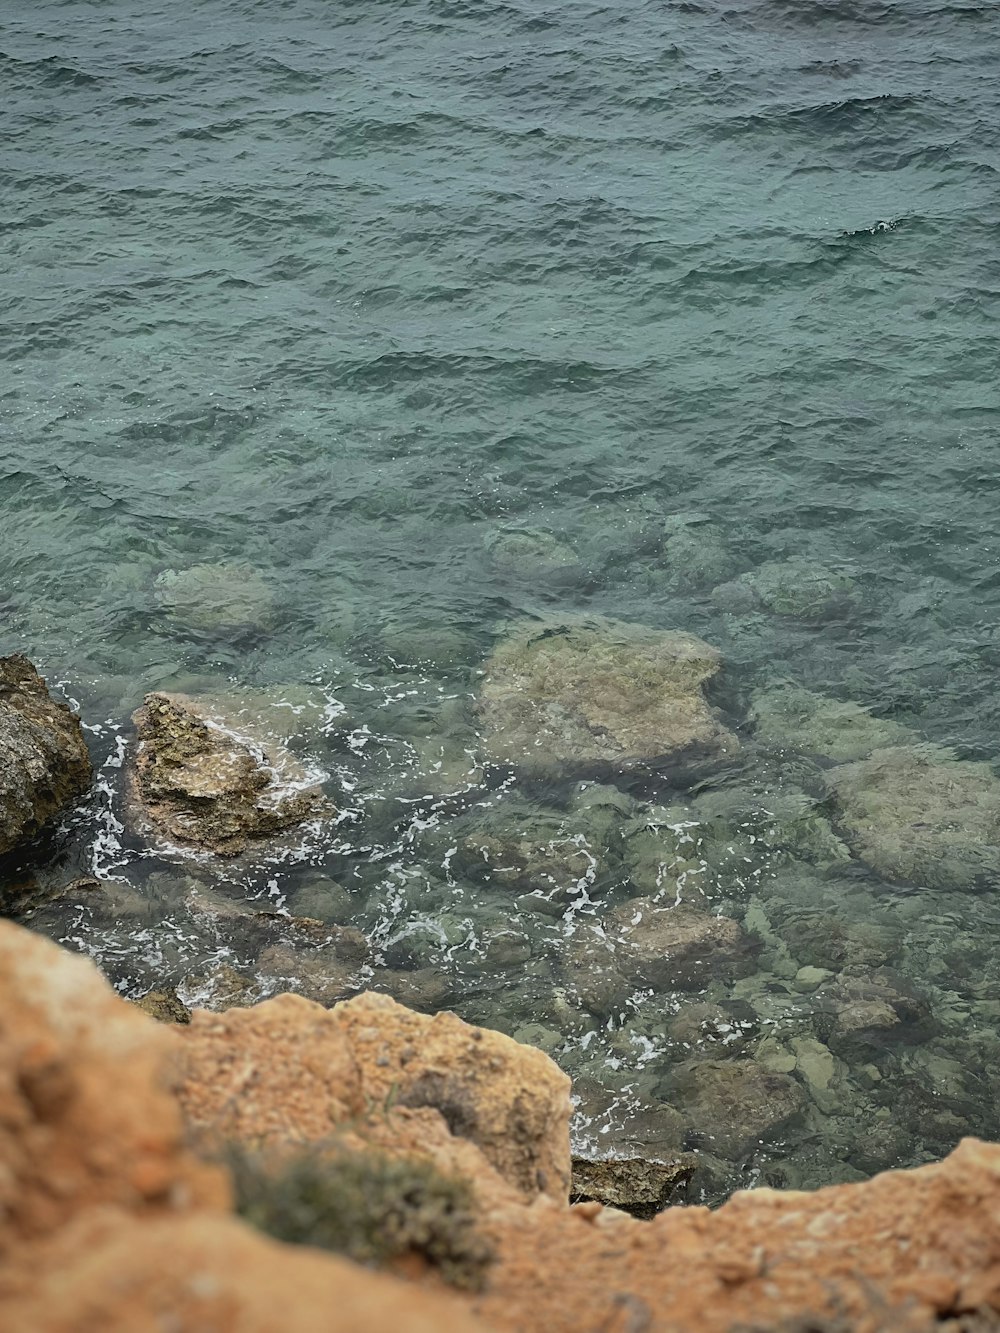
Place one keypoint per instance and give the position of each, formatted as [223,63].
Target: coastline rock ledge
[110,1221]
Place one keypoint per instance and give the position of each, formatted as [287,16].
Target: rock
[808,978]
[44,764]
[637,1186]
[223,599]
[877,1010]
[164,1006]
[696,552]
[318,974]
[534,850]
[197,782]
[218,988]
[530,556]
[917,815]
[734,1105]
[591,974]
[66,1145]
[677,947]
[324,900]
[587,696]
[788,715]
[800,589]
[311,1068]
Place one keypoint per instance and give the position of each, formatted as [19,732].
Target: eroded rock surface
[44,765]
[198,782]
[311,1068]
[588,695]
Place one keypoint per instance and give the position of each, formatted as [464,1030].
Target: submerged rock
[734,1105]
[227,598]
[677,947]
[788,715]
[696,552]
[632,1184]
[796,588]
[918,815]
[44,764]
[531,556]
[197,781]
[588,695]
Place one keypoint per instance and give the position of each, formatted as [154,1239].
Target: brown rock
[44,764]
[197,781]
[310,1069]
[633,1184]
[734,1105]
[66,1143]
[588,695]
[677,947]
[164,1006]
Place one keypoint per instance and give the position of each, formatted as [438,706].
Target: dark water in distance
[339,293]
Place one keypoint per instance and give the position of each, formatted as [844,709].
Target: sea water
[312,311]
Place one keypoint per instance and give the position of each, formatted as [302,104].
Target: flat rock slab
[918,815]
[44,764]
[200,783]
[587,695]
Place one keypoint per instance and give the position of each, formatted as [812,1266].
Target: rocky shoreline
[706,932]
[451,1145]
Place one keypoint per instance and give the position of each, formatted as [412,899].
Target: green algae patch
[788,715]
[369,1207]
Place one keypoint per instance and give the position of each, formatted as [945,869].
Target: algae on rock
[788,715]
[587,695]
[917,815]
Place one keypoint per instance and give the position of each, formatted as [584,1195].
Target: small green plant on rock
[367,1206]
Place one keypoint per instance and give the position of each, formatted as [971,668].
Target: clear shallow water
[341,297]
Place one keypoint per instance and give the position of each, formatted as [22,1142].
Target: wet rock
[730,1026]
[227,598]
[530,556]
[425,989]
[734,1105]
[219,988]
[917,815]
[800,589]
[587,695]
[316,974]
[44,764]
[696,552]
[677,947]
[591,974]
[788,715]
[108,900]
[323,900]
[635,1185]
[196,781]
[534,850]
[861,1015]
[164,1006]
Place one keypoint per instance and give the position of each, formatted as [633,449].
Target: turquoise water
[339,296]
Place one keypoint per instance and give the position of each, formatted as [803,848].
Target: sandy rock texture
[108,1222]
[288,1071]
[44,764]
[588,695]
[198,781]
